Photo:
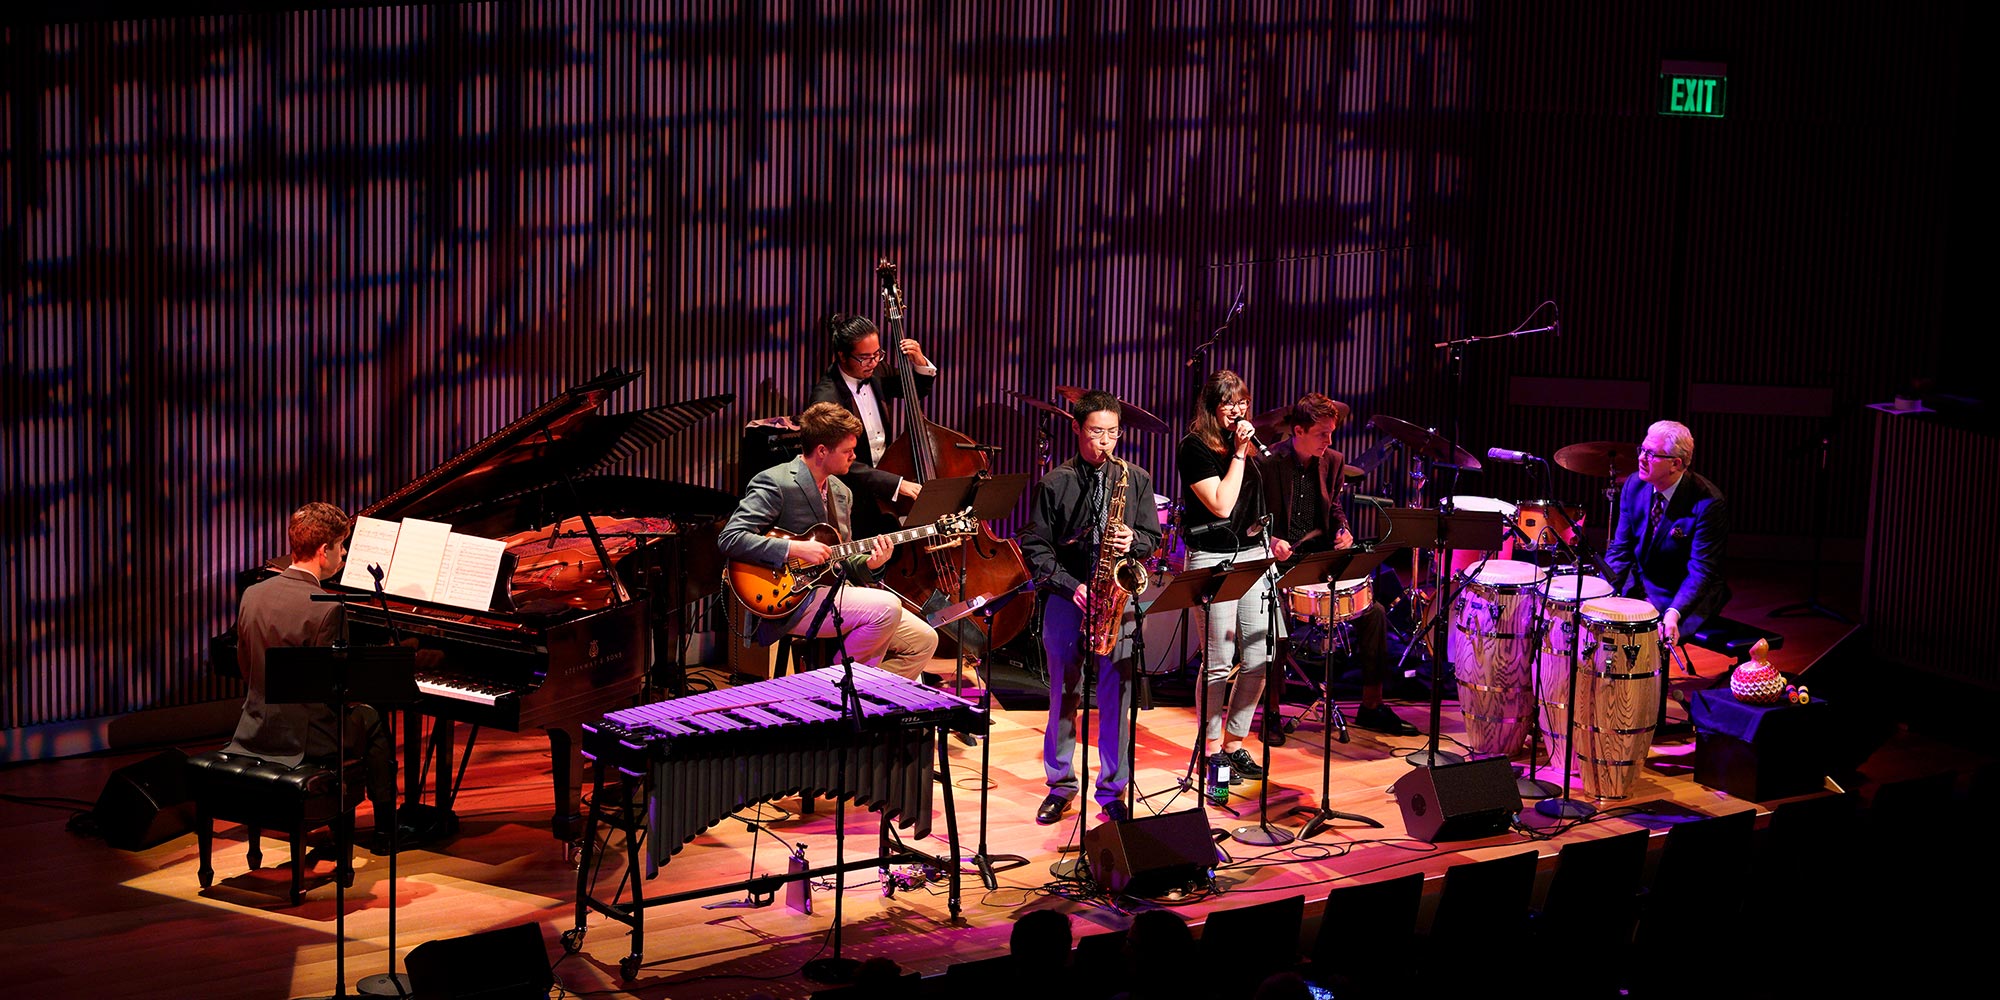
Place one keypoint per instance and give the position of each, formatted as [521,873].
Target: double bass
[929,580]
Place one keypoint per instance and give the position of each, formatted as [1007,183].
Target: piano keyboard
[456,687]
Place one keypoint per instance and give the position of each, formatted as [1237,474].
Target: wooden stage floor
[87,920]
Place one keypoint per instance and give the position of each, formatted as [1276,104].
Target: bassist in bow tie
[805,492]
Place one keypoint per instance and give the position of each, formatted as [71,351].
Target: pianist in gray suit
[804,492]
[280,611]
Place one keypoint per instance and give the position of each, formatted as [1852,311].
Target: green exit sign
[1694,89]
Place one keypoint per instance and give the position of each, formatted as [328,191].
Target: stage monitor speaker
[1150,854]
[1458,801]
[145,803]
[507,964]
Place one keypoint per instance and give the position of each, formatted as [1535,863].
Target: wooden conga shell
[1493,656]
[1618,678]
[1563,595]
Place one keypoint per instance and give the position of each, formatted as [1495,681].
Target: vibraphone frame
[626,811]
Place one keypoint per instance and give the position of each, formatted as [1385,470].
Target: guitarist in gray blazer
[807,491]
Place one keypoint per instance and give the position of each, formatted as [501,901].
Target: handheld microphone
[1511,457]
[1261,450]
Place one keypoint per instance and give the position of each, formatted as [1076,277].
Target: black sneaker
[1239,759]
[1383,719]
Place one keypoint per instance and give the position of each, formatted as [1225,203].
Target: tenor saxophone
[1116,578]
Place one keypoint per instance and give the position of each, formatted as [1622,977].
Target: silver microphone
[1510,457]
[1261,450]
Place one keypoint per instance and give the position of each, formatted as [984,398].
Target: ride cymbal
[1605,459]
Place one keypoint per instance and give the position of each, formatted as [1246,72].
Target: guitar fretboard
[845,549]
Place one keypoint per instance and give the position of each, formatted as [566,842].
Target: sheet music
[374,543]
[419,555]
[470,570]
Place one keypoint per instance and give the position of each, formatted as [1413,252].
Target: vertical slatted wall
[1931,547]
[255,260]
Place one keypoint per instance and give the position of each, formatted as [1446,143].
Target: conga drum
[1620,667]
[1562,596]
[1492,654]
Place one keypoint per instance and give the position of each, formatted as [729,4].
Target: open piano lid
[568,436]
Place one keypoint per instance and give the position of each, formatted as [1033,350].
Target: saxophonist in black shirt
[1062,546]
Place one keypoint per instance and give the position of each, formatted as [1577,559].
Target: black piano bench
[1731,638]
[263,796]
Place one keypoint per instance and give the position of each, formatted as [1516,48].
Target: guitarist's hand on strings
[808,551]
[880,552]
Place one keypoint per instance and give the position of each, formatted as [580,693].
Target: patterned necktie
[1655,515]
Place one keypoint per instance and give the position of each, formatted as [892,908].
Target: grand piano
[565,640]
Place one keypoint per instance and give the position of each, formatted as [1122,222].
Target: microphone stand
[1811,605]
[390,983]
[1262,833]
[836,968]
[1563,806]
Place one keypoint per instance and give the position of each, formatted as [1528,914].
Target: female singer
[1222,518]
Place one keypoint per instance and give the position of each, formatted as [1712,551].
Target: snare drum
[1548,525]
[1462,559]
[1618,678]
[1348,600]
[1492,654]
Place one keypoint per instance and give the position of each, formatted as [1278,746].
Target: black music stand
[985,606]
[1443,531]
[1202,588]
[991,497]
[1326,567]
[339,676]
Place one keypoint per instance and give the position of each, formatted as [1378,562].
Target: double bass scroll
[928,581]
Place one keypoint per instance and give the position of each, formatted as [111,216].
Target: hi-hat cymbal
[1033,403]
[1133,415]
[1607,459]
[1424,443]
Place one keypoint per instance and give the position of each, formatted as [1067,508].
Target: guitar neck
[845,549]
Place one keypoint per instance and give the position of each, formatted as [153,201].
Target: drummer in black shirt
[1301,483]
[1222,518]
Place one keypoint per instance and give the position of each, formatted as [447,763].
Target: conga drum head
[1569,588]
[1504,575]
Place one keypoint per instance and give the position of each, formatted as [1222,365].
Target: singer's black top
[1203,530]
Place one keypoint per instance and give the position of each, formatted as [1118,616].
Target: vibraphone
[687,763]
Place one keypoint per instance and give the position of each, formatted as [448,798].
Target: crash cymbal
[1033,403]
[1134,415]
[1607,459]
[1424,443]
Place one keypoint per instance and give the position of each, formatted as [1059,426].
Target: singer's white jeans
[1236,632]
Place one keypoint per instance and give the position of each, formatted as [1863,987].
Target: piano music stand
[339,676]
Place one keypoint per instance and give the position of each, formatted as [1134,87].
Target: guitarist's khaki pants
[879,631]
